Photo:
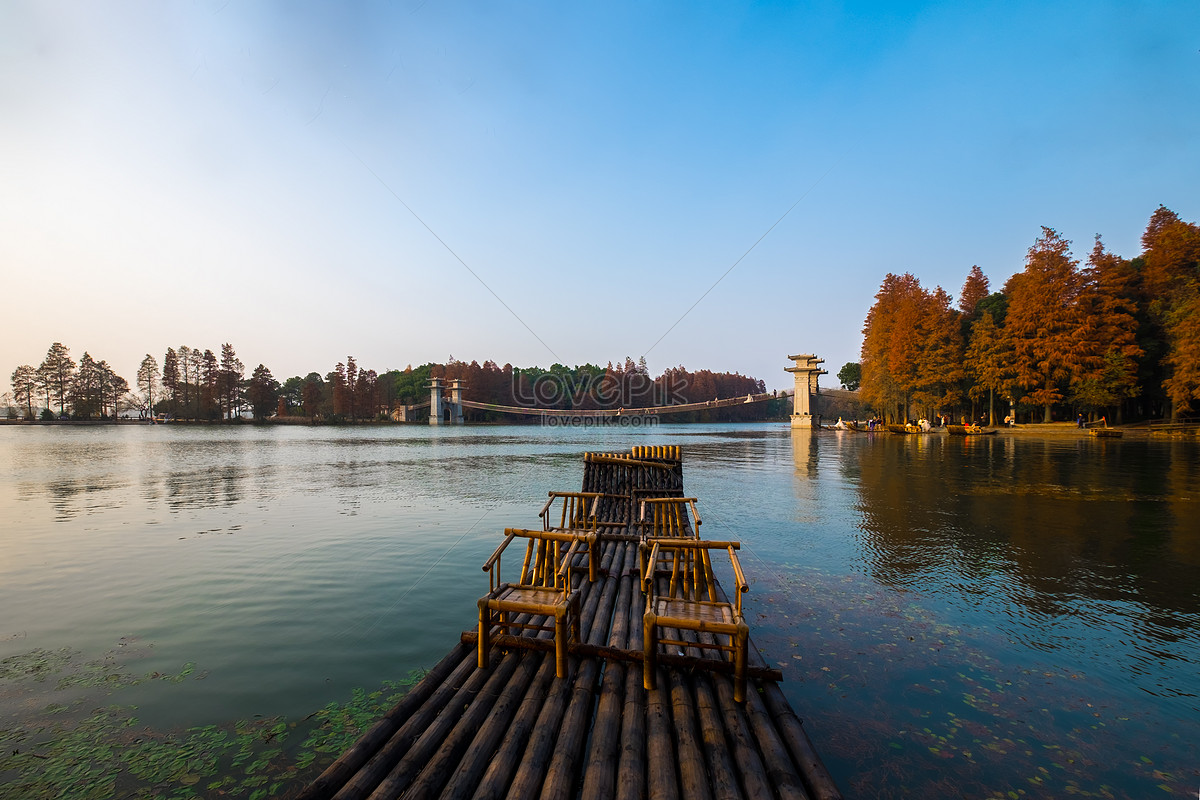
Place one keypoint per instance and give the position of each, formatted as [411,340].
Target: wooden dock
[516,730]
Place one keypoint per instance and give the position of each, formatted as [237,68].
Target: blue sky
[221,171]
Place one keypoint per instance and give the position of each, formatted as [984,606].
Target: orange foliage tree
[1043,322]
[1107,334]
[912,349]
[988,361]
[1170,281]
[974,289]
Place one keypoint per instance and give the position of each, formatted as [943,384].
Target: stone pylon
[807,371]
[435,401]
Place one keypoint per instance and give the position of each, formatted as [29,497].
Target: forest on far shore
[1117,337]
[196,384]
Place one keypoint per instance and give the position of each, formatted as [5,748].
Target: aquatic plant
[62,751]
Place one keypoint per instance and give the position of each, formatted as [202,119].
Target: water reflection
[954,616]
[805,448]
[1067,543]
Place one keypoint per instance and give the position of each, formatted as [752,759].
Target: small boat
[969,430]
[1107,433]
[893,428]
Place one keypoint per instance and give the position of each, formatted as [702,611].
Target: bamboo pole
[693,775]
[376,769]
[494,783]
[783,772]
[560,777]
[817,779]
[598,777]
[751,770]
[341,770]
[467,749]
[538,749]
[812,769]
[716,749]
[661,780]
[559,781]
[631,766]
[527,781]
[429,735]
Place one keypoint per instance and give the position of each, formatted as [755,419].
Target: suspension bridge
[446,401]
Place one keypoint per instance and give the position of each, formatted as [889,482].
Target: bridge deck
[515,730]
[648,411]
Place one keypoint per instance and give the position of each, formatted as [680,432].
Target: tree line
[198,384]
[1116,337]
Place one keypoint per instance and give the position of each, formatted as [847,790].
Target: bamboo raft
[514,729]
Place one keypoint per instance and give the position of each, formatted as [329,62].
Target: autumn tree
[1043,321]
[974,289]
[186,373]
[988,361]
[57,372]
[263,392]
[337,384]
[147,380]
[1170,279]
[85,393]
[1107,334]
[940,363]
[366,393]
[1183,360]
[210,376]
[312,394]
[350,388]
[24,381]
[892,347]
[170,378]
[229,381]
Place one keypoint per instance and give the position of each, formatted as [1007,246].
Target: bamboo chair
[543,589]
[577,511]
[668,518]
[577,514]
[681,594]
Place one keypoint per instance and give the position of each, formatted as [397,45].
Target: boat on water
[970,430]
[895,428]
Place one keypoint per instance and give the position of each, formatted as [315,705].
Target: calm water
[954,617]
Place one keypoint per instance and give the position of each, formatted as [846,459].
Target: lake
[1005,616]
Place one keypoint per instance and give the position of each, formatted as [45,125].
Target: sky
[712,184]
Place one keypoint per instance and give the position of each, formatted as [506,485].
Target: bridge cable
[450,250]
[726,272]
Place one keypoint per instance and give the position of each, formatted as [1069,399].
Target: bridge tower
[806,371]
[456,415]
[435,401]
